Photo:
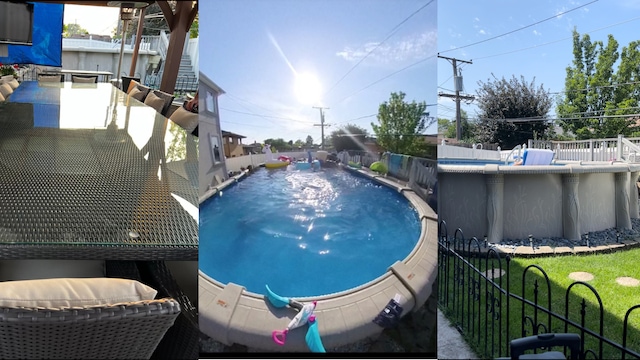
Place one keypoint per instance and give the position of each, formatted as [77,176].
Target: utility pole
[322,124]
[458,85]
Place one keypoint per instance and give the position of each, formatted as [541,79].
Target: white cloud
[454,34]
[412,47]
[560,12]
[482,32]
[476,19]
[536,33]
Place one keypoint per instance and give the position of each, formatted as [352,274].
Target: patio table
[87,172]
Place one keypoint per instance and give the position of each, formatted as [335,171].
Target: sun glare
[307,89]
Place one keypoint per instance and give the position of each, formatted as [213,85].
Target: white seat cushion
[185,118]
[64,293]
[14,83]
[49,78]
[6,90]
[84,80]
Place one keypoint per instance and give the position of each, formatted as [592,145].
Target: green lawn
[616,299]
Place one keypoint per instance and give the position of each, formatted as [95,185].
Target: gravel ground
[416,333]
[595,238]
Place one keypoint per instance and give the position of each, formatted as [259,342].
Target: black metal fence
[479,296]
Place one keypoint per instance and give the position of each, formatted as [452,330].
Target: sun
[307,89]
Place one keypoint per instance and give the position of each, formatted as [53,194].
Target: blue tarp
[47,38]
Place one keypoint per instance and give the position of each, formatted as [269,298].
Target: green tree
[401,125]
[279,144]
[309,141]
[447,128]
[348,137]
[512,112]
[193,31]
[69,30]
[596,97]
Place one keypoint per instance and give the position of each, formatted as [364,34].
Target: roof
[205,79]
[230,134]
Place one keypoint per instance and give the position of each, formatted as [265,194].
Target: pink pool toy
[302,318]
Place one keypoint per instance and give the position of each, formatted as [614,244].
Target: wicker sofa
[131,331]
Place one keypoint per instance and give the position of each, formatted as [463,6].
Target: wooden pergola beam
[179,23]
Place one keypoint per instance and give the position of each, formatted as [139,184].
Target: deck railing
[620,148]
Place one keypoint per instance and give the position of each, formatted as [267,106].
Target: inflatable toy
[305,316]
[270,162]
[378,167]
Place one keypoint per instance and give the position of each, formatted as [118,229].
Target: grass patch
[478,308]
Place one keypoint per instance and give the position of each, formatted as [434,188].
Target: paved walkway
[450,342]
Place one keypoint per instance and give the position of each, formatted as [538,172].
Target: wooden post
[179,24]
[134,58]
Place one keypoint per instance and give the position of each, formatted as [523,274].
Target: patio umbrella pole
[124,33]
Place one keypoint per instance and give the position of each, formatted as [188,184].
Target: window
[210,102]
[215,149]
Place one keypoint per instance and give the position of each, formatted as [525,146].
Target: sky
[266,54]
[97,20]
[541,52]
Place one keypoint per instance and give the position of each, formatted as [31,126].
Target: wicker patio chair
[181,340]
[84,79]
[131,331]
[45,77]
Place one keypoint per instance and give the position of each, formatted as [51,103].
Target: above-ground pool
[539,201]
[304,233]
[349,239]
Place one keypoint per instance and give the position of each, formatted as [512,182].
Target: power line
[555,41]
[595,87]
[522,28]
[358,118]
[233,97]
[393,31]
[264,116]
[388,76]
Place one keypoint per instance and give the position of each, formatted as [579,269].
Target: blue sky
[542,51]
[239,41]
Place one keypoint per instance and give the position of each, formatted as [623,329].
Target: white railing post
[591,148]
[619,157]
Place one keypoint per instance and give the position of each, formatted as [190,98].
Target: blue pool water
[304,233]
[445,161]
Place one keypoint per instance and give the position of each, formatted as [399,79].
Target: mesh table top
[88,173]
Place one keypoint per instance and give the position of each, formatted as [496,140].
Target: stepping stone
[628,281]
[581,276]
[494,273]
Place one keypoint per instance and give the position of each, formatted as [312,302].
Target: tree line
[400,130]
[600,100]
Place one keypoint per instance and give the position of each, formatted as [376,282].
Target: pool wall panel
[597,202]
[463,203]
[532,205]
